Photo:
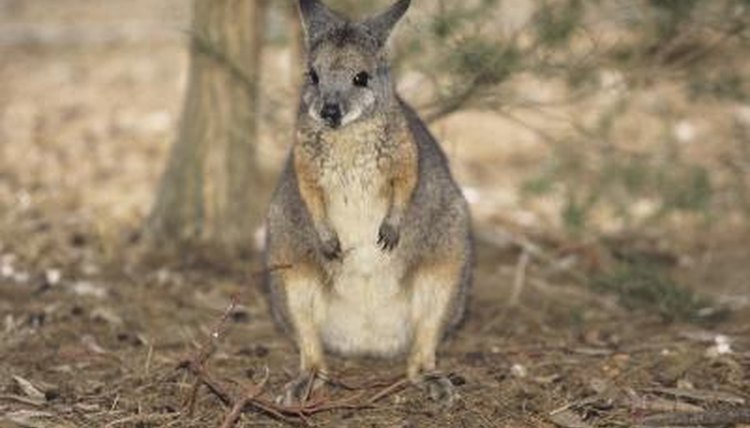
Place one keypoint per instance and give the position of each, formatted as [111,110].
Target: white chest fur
[367,311]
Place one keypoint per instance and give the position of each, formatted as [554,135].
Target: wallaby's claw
[331,248]
[298,391]
[388,237]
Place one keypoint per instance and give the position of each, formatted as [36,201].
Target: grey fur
[428,237]
[381,25]
[317,19]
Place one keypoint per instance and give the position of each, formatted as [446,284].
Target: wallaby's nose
[331,113]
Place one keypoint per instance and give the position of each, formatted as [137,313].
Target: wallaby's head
[347,77]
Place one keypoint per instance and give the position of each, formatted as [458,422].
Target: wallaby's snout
[335,95]
[331,114]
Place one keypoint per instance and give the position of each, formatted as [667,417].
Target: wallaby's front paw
[330,245]
[439,389]
[388,236]
[331,248]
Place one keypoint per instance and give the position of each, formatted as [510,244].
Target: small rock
[107,315]
[52,276]
[684,131]
[85,288]
[519,371]
[21,277]
[7,271]
[722,346]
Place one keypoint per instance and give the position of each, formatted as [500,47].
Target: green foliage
[483,62]
[725,85]
[670,15]
[556,23]
[581,76]
[574,213]
[454,18]
[587,175]
[642,285]
[687,188]
[539,185]
[470,61]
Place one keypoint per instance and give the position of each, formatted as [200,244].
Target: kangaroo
[374,231]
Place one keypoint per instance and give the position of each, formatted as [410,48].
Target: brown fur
[367,215]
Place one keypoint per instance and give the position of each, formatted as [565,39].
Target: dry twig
[701,419]
[252,398]
[520,278]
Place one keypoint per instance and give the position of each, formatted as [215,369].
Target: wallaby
[372,230]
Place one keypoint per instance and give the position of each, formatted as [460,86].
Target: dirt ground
[92,331]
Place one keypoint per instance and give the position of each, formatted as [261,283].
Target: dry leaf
[699,394]
[28,388]
[27,418]
[107,315]
[568,419]
[656,404]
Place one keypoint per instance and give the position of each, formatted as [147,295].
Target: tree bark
[211,191]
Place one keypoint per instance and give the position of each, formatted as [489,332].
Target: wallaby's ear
[317,19]
[381,25]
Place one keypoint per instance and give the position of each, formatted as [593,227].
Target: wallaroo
[366,213]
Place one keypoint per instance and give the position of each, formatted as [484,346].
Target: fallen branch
[519,280]
[143,419]
[699,395]
[702,419]
[251,393]
[251,398]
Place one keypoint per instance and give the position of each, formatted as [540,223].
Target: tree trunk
[211,191]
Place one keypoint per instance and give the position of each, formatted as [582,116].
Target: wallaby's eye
[361,79]
[313,76]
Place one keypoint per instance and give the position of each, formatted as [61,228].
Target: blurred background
[604,147]
[592,127]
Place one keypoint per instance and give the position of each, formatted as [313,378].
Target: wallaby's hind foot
[298,391]
[439,389]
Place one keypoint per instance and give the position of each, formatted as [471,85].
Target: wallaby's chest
[353,179]
[354,185]
[366,314]
[366,311]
